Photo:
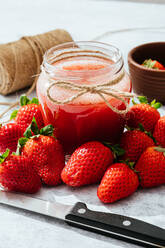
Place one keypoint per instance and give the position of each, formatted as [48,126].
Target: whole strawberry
[134,143]
[87,164]
[27,111]
[9,135]
[17,174]
[45,151]
[143,113]
[151,167]
[159,131]
[118,182]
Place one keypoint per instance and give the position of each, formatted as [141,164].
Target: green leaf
[131,165]
[13,114]
[47,131]
[149,63]
[129,128]
[117,150]
[142,99]
[35,136]
[24,100]
[4,156]
[157,105]
[141,127]
[35,101]
[153,102]
[32,129]
[28,132]
[151,136]
[21,142]
[133,101]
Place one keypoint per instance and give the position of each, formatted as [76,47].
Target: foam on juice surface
[89,70]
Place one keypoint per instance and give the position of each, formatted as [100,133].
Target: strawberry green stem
[116,149]
[143,100]
[141,128]
[33,131]
[4,156]
[160,149]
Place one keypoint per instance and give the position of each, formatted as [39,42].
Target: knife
[113,225]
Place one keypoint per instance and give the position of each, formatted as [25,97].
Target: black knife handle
[118,226]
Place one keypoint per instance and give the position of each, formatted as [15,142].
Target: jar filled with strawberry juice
[86,117]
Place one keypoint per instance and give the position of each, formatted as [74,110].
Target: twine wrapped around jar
[21,60]
[99,89]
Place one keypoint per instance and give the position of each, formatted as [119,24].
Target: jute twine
[99,89]
[21,60]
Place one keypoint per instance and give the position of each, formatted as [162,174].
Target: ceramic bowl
[146,81]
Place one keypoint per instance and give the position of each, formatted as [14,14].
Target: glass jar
[87,117]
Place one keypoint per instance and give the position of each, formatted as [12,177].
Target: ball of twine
[21,60]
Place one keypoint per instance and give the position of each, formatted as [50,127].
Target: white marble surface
[85,20]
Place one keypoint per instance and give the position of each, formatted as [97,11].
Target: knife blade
[113,225]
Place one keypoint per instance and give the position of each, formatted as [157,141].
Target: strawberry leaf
[141,128]
[156,105]
[151,136]
[24,100]
[133,101]
[28,132]
[21,142]
[32,129]
[160,149]
[35,136]
[131,165]
[13,114]
[142,99]
[116,149]
[34,100]
[149,63]
[129,128]
[4,156]
[47,131]
[153,102]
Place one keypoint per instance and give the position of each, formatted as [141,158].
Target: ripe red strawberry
[9,135]
[46,153]
[27,111]
[151,167]
[134,143]
[17,174]
[144,113]
[159,131]
[87,164]
[118,182]
[153,64]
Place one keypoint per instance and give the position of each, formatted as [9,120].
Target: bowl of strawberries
[147,70]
